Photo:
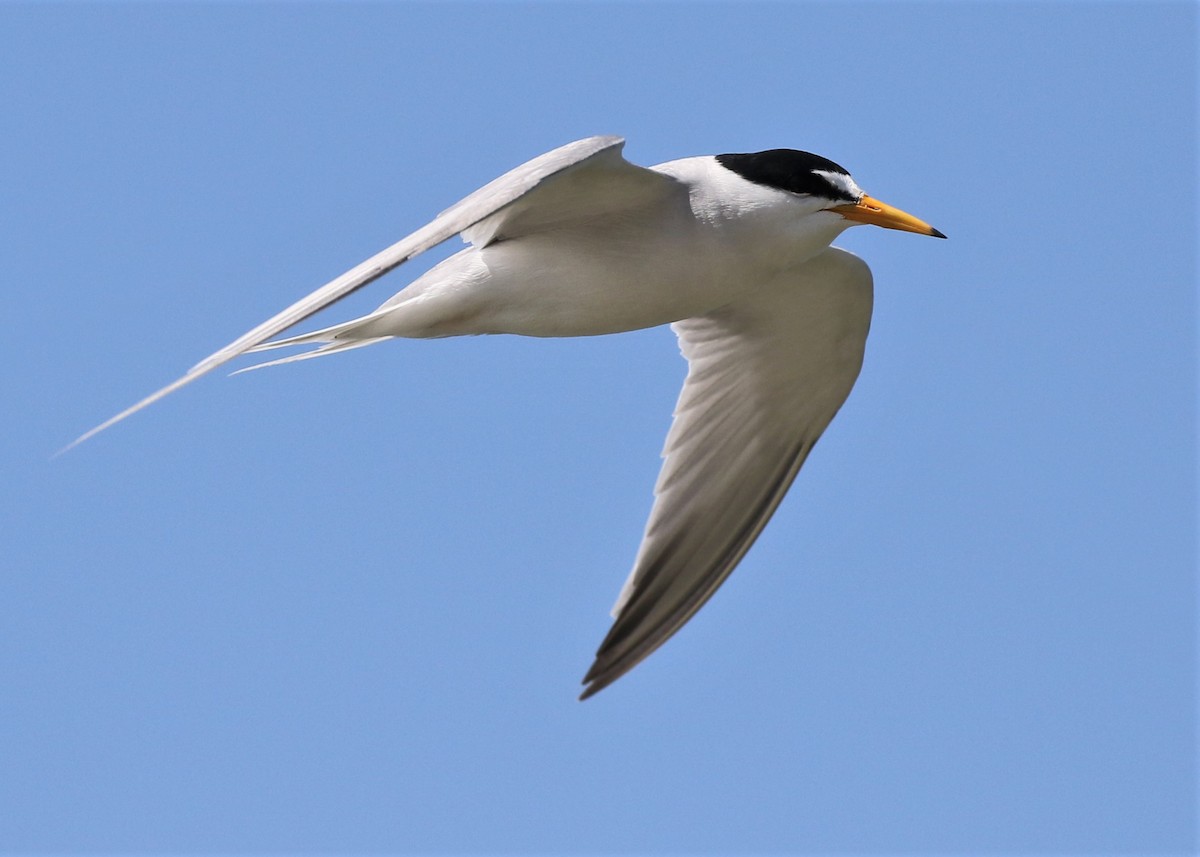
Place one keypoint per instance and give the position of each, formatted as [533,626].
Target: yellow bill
[870,210]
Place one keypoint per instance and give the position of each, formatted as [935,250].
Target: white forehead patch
[842,182]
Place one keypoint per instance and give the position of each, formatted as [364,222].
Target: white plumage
[733,251]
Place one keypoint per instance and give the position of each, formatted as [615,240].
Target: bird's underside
[764,379]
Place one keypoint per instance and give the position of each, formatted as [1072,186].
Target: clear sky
[344,606]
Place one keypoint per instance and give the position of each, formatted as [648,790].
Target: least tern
[733,251]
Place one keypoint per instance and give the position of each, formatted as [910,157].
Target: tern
[733,251]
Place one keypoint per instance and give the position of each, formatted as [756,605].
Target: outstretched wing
[765,377]
[587,177]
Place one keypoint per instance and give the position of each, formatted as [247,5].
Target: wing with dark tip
[587,177]
[765,377]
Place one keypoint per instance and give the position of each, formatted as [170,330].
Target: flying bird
[733,251]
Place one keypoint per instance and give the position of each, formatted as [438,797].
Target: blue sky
[345,605]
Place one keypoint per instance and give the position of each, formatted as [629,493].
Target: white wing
[765,377]
[581,179]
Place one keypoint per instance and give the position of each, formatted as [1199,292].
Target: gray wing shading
[765,377]
[587,176]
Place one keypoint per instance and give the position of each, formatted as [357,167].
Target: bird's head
[822,183]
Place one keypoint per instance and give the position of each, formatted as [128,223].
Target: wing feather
[587,176]
[765,377]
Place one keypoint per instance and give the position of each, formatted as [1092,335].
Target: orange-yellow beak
[870,210]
